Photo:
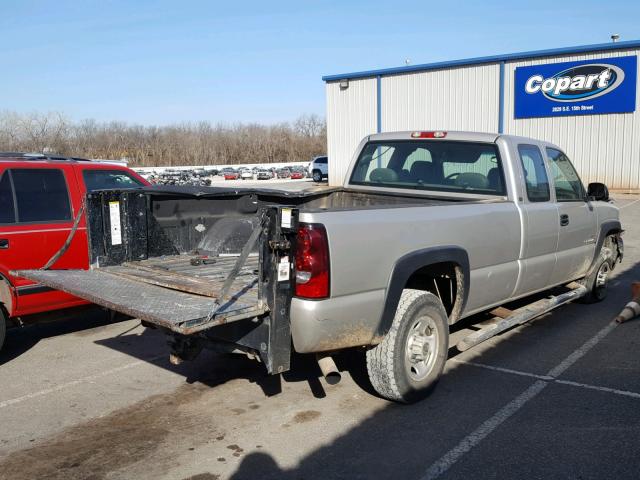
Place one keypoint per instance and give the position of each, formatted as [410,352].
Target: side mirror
[598,191]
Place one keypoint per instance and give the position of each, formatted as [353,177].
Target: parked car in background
[297,174]
[264,175]
[246,174]
[284,172]
[319,168]
[40,196]
[229,174]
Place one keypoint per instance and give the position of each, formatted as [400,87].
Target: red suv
[40,196]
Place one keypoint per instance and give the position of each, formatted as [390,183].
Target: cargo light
[312,262]
[436,134]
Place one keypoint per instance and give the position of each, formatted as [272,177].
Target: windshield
[448,166]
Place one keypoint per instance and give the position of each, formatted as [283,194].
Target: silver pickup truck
[429,228]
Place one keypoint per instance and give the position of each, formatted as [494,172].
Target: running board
[522,315]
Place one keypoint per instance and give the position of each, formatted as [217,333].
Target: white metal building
[480,94]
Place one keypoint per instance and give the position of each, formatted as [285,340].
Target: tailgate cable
[67,242]
[246,250]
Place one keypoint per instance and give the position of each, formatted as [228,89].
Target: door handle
[564,220]
[4,243]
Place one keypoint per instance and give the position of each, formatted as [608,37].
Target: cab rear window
[109,179]
[449,166]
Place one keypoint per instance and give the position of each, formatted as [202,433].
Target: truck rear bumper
[340,322]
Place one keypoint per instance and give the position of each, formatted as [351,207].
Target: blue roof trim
[489,59]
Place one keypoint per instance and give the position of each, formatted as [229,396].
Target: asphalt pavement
[556,398]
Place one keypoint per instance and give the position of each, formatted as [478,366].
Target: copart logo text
[577,83]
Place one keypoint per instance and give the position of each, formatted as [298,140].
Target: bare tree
[310,126]
[179,144]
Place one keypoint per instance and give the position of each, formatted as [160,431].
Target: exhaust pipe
[631,309]
[329,370]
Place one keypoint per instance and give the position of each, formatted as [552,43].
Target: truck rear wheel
[407,364]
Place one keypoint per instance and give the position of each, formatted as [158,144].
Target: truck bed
[148,272]
[168,291]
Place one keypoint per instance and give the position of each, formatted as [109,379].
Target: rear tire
[317,176]
[407,364]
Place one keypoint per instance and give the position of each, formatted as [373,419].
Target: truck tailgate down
[168,291]
[208,270]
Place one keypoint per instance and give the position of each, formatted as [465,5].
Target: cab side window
[535,175]
[41,195]
[565,178]
[7,207]
[106,179]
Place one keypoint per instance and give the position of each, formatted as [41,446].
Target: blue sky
[162,62]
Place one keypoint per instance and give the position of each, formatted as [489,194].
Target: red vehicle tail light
[312,262]
[436,134]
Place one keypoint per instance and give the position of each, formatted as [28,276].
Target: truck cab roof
[452,135]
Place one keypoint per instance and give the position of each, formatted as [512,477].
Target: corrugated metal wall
[603,148]
[464,98]
[351,115]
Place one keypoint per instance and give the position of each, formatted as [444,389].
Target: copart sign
[591,87]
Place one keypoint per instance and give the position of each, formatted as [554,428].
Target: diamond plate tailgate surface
[179,311]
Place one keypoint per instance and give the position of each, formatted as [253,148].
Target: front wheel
[317,176]
[597,282]
[407,364]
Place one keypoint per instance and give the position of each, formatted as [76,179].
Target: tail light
[312,261]
[436,134]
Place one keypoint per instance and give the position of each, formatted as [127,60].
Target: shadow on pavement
[39,327]
[213,368]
